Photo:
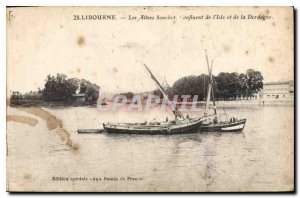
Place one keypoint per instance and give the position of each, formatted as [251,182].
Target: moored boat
[226,126]
[155,128]
[216,124]
[180,124]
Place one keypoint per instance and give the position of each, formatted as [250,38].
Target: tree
[222,90]
[226,86]
[254,82]
[191,85]
[235,85]
[92,93]
[243,89]
[59,88]
[90,90]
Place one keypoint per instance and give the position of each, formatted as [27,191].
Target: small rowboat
[89,131]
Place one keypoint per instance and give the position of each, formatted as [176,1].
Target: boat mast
[213,95]
[210,90]
[176,112]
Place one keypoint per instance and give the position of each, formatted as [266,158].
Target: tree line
[59,88]
[226,86]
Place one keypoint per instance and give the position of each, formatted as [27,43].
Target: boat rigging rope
[225,112]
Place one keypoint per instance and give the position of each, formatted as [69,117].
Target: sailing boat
[179,125]
[213,123]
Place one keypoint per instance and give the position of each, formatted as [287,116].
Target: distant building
[277,91]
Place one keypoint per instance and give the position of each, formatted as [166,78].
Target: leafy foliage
[59,88]
[254,82]
[90,90]
[226,86]
[191,85]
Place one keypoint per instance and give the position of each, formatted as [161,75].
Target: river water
[259,159]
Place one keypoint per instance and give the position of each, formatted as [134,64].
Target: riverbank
[40,103]
[241,103]
[229,104]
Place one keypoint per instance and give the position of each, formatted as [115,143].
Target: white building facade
[278,91]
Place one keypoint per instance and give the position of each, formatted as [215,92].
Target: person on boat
[187,116]
[176,120]
[215,120]
[167,119]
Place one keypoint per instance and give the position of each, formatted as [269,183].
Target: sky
[42,41]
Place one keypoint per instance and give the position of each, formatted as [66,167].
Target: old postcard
[150,99]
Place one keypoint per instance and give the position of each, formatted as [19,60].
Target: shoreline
[232,103]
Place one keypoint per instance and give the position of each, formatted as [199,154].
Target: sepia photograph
[150,99]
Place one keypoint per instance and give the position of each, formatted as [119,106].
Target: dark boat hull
[228,127]
[193,128]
